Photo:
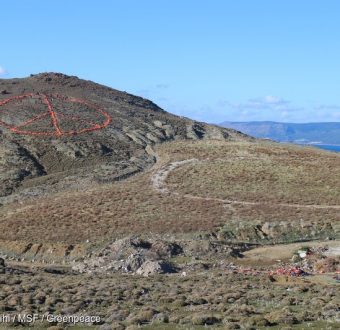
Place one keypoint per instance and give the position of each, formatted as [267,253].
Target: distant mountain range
[323,133]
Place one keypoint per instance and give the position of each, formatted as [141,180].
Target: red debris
[293,271]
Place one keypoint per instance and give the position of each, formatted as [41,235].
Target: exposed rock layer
[53,159]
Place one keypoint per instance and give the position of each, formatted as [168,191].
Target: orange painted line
[53,116]
[24,132]
[57,132]
[32,120]
[11,99]
[15,98]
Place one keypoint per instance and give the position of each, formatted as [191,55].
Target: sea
[329,147]
[335,148]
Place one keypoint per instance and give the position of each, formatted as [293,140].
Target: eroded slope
[58,132]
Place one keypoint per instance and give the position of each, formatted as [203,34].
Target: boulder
[133,262]
[155,267]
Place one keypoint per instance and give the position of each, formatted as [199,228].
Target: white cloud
[275,100]
[265,108]
[328,107]
[266,102]
[2,71]
[268,106]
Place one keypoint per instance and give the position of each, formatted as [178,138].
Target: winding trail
[158,180]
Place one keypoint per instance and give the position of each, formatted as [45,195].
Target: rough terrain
[58,131]
[155,221]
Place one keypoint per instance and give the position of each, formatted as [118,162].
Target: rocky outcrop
[131,255]
[59,132]
[155,255]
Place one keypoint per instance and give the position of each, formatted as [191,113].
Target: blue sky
[209,60]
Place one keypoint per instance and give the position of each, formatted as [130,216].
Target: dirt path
[159,176]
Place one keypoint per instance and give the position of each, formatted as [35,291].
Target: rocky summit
[59,131]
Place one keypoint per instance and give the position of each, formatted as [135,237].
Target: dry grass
[270,179]
[194,300]
[260,173]
[243,171]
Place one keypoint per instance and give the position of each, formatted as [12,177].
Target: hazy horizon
[281,122]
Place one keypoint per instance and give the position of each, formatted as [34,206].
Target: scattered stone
[133,255]
[134,262]
[160,318]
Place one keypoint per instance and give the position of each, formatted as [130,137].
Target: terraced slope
[58,131]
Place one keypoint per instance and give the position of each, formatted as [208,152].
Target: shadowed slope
[76,133]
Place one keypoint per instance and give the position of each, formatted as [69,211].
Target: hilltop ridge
[59,131]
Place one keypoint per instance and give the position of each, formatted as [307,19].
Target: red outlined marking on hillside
[79,119]
[32,120]
[53,115]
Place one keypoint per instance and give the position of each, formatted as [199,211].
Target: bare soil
[81,216]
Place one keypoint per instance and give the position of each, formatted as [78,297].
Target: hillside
[324,133]
[156,250]
[113,207]
[58,131]
[234,188]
